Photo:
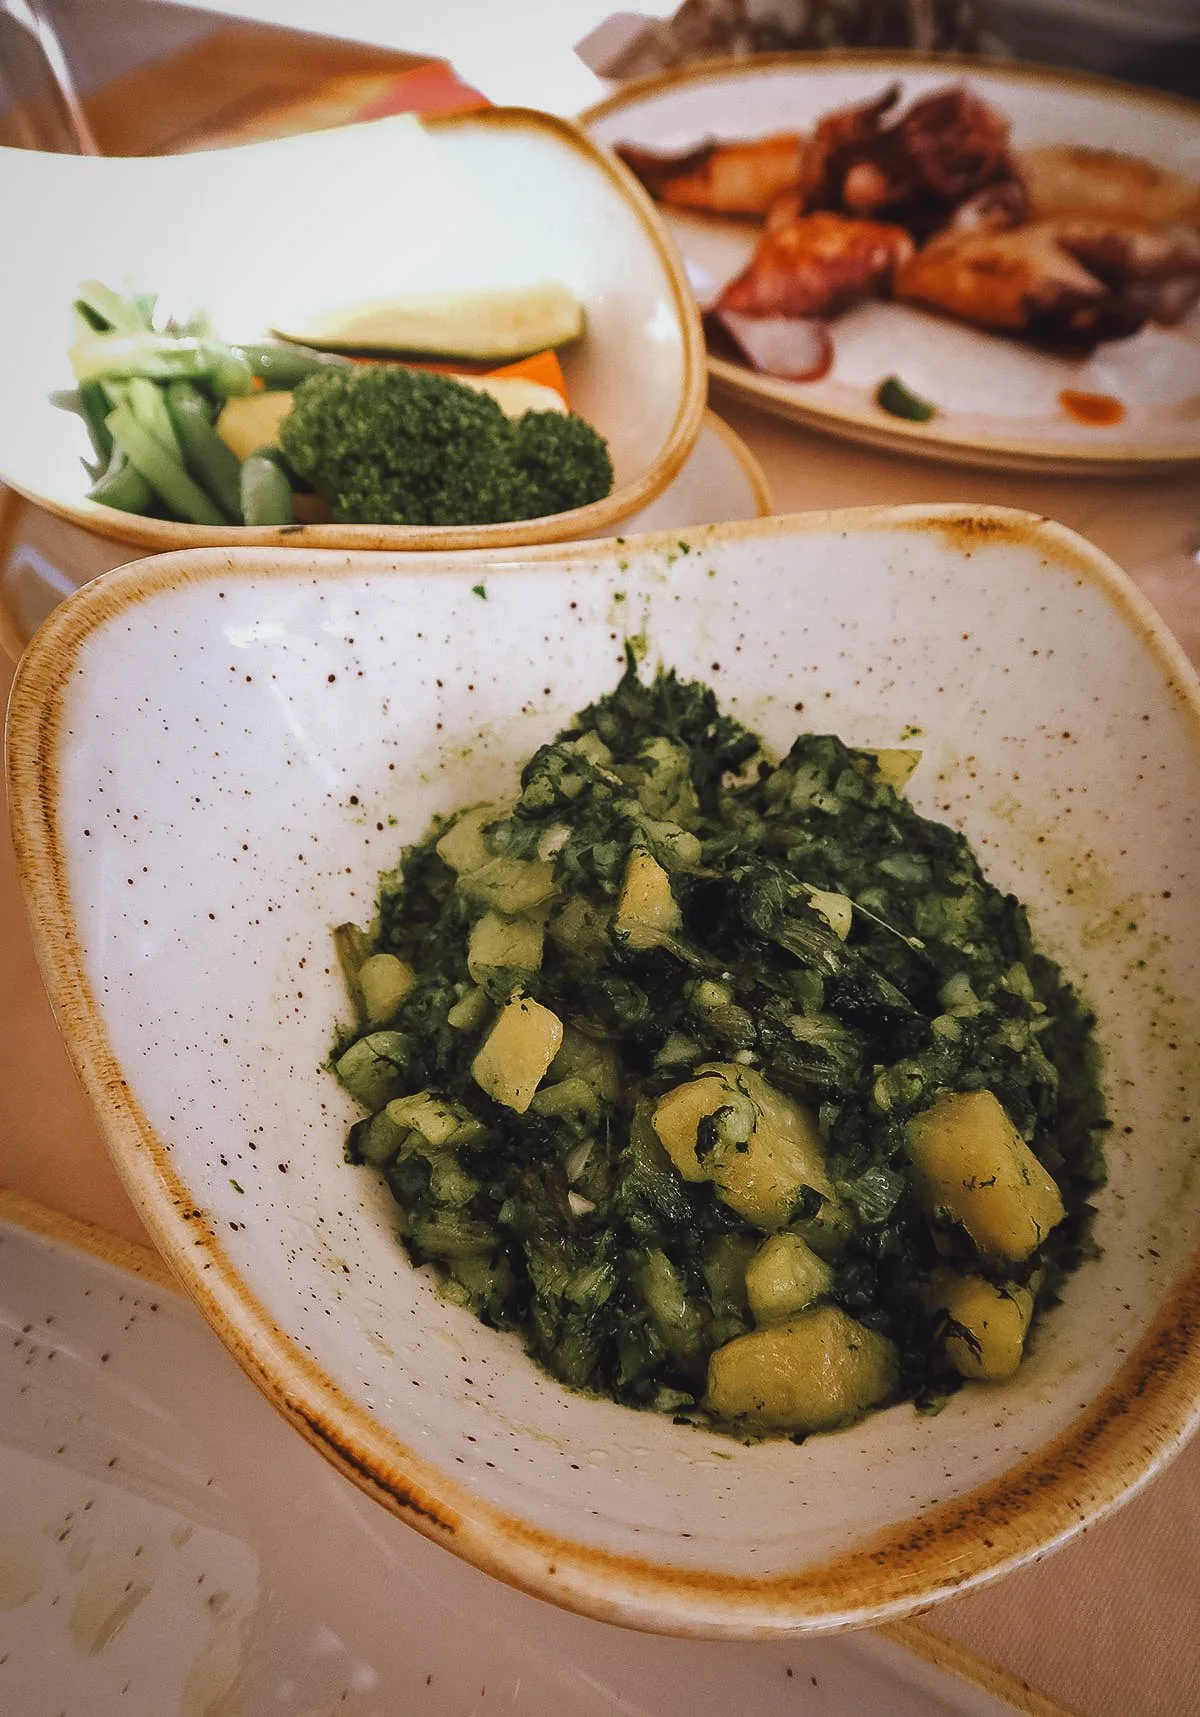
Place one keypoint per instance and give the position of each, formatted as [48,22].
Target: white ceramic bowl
[261,235]
[212,756]
[43,559]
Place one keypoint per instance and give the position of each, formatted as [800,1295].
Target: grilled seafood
[725,178]
[1066,178]
[1154,267]
[1018,282]
[947,148]
[1067,245]
[817,265]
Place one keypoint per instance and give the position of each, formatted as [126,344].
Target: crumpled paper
[629,45]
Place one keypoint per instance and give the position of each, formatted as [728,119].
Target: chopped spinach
[663,909]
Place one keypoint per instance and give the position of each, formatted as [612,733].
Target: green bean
[232,374]
[94,407]
[161,357]
[165,474]
[205,456]
[286,366]
[142,305]
[122,486]
[99,303]
[147,403]
[266,492]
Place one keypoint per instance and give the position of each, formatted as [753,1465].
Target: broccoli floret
[565,462]
[387,445]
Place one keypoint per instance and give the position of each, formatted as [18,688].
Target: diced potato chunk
[676,1317]
[498,943]
[375,1067]
[817,1371]
[666,789]
[462,846]
[970,1163]
[469,1013]
[252,420]
[593,748]
[678,1115]
[997,1320]
[581,927]
[768,1149]
[592,1059]
[438,1119]
[896,765]
[510,884]
[678,848]
[647,910]
[567,1097]
[783,1277]
[383,982]
[514,1056]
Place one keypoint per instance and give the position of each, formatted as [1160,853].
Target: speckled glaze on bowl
[501,197]
[211,758]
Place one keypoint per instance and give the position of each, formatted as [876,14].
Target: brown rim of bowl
[748,461]
[873,426]
[14,637]
[164,535]
[1135,1424]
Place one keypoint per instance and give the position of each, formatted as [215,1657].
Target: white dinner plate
[44,558]
[998,400]
[168,1548]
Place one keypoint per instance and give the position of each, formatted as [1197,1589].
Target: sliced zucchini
[515,395]
[493,323]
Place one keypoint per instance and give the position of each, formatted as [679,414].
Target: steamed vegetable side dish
[189,427]
[730,1083]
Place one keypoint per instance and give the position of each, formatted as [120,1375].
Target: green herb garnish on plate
[892,396]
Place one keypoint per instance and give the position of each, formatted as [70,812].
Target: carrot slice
[542,367]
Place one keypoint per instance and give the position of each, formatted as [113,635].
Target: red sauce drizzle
[1100,409]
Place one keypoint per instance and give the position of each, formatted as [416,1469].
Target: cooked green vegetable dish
[731,1084]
